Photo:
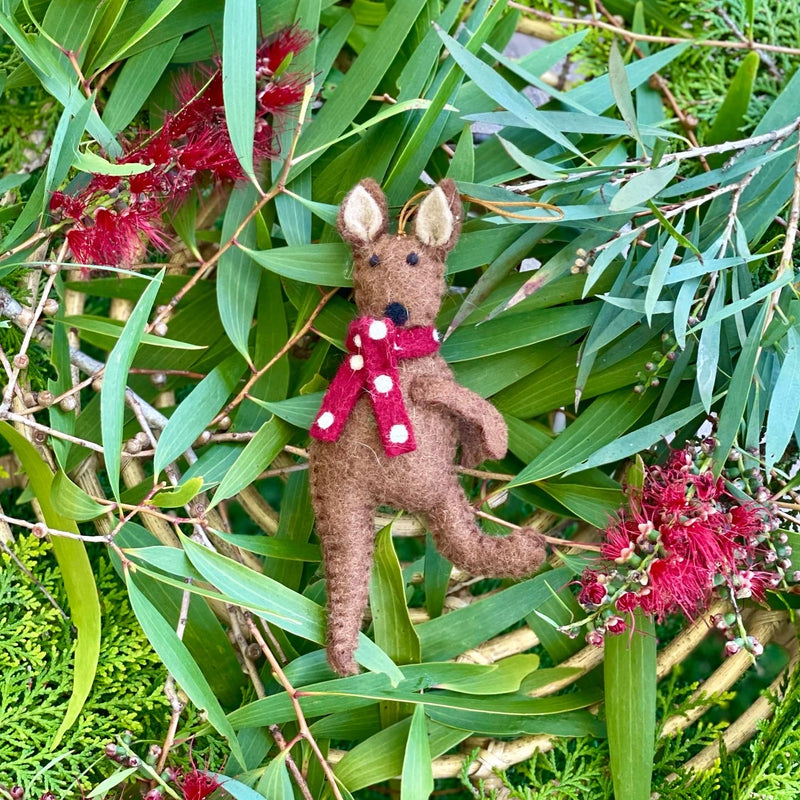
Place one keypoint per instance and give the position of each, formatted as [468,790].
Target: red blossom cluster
[682,540]
[114,219]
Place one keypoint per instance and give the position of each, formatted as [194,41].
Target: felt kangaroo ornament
[394,417]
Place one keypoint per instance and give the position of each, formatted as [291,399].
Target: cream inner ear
[362,215]
[434,219]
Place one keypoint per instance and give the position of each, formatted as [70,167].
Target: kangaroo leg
[345,527]
[460,540]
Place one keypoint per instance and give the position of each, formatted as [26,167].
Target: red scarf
[374,347]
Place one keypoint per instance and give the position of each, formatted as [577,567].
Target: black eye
[374,260]
[412,258]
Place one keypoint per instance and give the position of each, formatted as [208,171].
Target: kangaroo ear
[363,215]
[439,216]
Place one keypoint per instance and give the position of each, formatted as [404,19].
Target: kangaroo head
[400,276]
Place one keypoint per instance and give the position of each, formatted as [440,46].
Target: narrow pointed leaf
[115,380]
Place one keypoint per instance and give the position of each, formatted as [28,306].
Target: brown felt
[352,476]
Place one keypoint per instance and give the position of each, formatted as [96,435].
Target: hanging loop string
[496,207]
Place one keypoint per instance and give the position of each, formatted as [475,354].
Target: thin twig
[176,704]
[305,733]
[765,59]
[274,191]
[258,374]
[646,37]
[252,672]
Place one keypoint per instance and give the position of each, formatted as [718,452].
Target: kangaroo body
[400,279]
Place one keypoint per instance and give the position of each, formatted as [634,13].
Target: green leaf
[177,659]
[275,782]
[437,578]
[86,161]
[643,187]
[417,776]
[274,548]
[299,411]
[180,496]
[490,81]
[159,14]
[394,632]
[66,139]
[784,406]
[115,379]
[732,411]
[732,112]
[287,609]
[708,349]
[238,277]
[639,439]
[113,780]
[239,31]
[361,80]
[606,419]
[630,683]
[258,454]
[458,631]
[137,79]
[514,330]
[114,329]
[197,410]
[73,502]
[322,264]
[382,756]
[621,90]
[498,678]
[76,572]
[657,277]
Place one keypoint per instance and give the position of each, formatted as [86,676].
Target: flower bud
[50,306]
[17,792]
[615,625]
[595,638]
[733,647]
[111,750]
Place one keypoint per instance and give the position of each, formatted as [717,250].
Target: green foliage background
[634,341]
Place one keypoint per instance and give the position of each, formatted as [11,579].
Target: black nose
[397,313]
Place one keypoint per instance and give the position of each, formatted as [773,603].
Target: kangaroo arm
[483,431]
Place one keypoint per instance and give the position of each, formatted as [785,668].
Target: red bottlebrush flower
[113,238]
[273,52]
[615,625]
[192,144]
[197,785]
[627,602]
[682,539]
[592,594]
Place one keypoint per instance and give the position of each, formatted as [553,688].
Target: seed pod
[133,446]
[203,438]
[46,398]
[224,423]
[97,384]
[52,268]
[29,399]
[158,379]
[39,437]
[21,361]
[39,530]
[50,306]
[160,329]
[68,403]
